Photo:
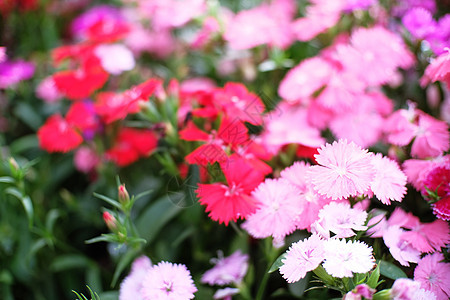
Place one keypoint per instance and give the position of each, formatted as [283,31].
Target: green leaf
[323,275]
[390,270]
[50,221]
[124,261]
[277,263]
[6,179]
[298,288]
[111,238]
[68,262]
[373,278]
[24,143]
[26,203]
[113,202]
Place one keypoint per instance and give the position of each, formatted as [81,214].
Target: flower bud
[124,197]
[110,221]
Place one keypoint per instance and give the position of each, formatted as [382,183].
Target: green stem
[262,286]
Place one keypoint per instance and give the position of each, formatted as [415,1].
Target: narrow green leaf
[26,203]
[6,179]
[103,238]
[52,216]
[277,263]
[390,270]
[124,261]
[109,200]
[68,262]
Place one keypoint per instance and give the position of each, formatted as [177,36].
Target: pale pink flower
[399,127]
[47,91]
[400,249]
[340,219]
[227,270]
[302,257]
[344,170]
[131,286]
[278,212]
[389,182]
[3,55]
[167,281]
[115,58]
[361,291]
[403,219]
[342,258]
[86,159]
[226,293]
[377,224]
[434,275]
[279,126]
[375,49]
[311,201]
[303,80]
[408,289]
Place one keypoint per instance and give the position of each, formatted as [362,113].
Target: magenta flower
[302,257]
[389,182]
[12,72]
[227,270]
[434,275]
[167,281]
[344,170]
[342,258]
[419,22]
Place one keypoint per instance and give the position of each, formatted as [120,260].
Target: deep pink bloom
[227,270]
[437,182]
[80,26]
[230,202]
[278,212]
[167,281]
[431,137]
[419,22]
[434,275]
[389,182]
[12,72]
[302,257]
[344,170]
[438,70]
[442,208]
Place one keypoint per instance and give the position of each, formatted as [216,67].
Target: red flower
[442,208]
[81,115]
[130,145]
[229,202]
[81,83]
[107,30]
[57,135]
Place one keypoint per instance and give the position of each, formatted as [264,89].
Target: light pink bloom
[400,249]
[432,137]
[389,182]
[375,49]
[115,58]
[3,55]
[438,70]
[47,91]
[226,293]
[340,219]
[279,124]
[311,201]
[416,170]
[403,219]
[279,210]
[227,270]
[302,257]
[344,170]
[360,291]
[342,258]
[434,275]
[167,281]
[85,159]
[303,80]
[377,224]
[399,127]
[408,289]
[131,286]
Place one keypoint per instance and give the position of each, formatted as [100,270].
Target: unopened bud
[124,198]
[110,221]
[13,164]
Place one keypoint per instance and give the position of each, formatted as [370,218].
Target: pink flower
[408,289]
[311,201]
[438,70]
[432,137]
[131,286]
[342,258]
[434,275]
[344,170]
[375,49]
[227,270]
[361,291]
[12,72]
[47,91]
[168,281]
[279,210]
[377,224]
[302,257]
[428,237]
[305,79]
[340,219]
[400,249]
[115,58]
[85,159]
[389,182]
[442,208]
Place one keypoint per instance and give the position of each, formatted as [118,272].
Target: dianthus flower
[434,275]
[167,281]
[342,258]
[408,289]
[57,135]
[302,257]
[278,212]
[344,170]
[227,270]
[131,286]
[400,249]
